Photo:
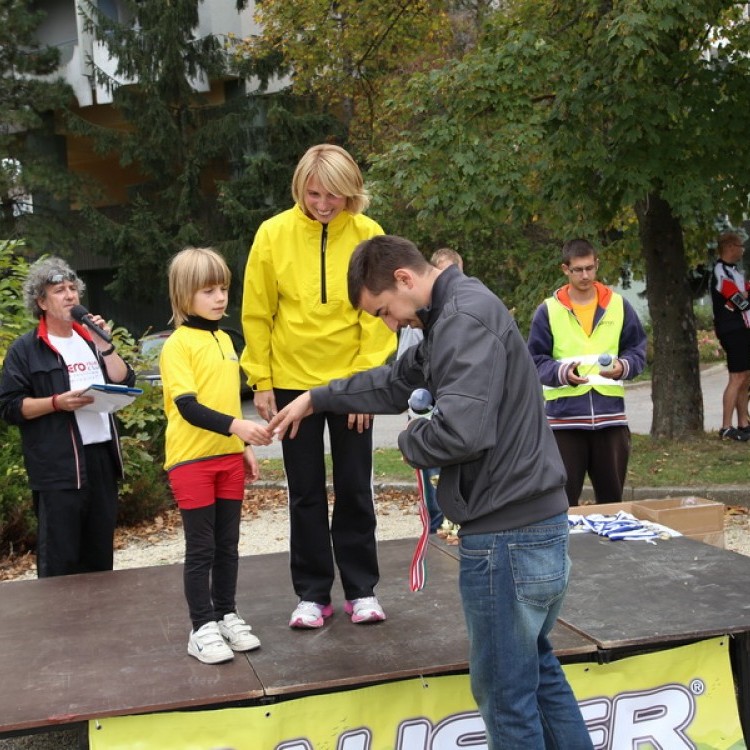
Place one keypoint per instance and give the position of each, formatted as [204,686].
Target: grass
[388,466]
[695,462]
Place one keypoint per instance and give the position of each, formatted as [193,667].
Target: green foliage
[559,114]
[173,135]
[349,53]
[17,522]
[14,319]
[266,155]
[145,490]
[456,174]
[615,121]
[640,101]
[704,316]
[709,348]
[521,265]
[29,165]
[212,165]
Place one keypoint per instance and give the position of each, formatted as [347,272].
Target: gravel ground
[267,532]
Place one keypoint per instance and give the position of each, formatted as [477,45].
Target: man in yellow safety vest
[585,341]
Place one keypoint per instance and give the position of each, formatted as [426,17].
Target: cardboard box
[694,517]
[714,538]
[606,508]
[688,515]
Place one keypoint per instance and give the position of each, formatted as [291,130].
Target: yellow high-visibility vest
[571,344]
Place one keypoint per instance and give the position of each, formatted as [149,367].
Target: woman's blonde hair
[337,172]
[192,269]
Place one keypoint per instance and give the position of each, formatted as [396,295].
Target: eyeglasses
[578,270]
[58,277]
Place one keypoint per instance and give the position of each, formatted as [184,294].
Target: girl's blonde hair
[192,269]
[337,172]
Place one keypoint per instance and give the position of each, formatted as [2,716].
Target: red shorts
[200,483]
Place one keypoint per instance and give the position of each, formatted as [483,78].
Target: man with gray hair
[72,455]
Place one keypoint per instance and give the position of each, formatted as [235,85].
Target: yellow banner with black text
[681,698]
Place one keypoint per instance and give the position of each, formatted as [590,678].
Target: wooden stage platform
[109,644]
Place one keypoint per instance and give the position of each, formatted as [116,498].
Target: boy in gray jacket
[501,477]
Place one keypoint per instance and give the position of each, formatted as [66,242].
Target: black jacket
[500,468]
[52,447]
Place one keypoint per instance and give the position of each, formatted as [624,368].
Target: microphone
[82,315]
[421,404]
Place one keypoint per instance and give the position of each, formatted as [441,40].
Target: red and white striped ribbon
[418,567]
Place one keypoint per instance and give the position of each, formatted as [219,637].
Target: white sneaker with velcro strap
[207,645]
[237,633]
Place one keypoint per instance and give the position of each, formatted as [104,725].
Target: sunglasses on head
[57,277]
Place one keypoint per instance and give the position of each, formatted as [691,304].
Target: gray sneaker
[732,433]
[207,645]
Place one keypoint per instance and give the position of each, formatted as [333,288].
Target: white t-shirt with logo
[83,371]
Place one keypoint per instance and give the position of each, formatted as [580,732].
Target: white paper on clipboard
[109,397]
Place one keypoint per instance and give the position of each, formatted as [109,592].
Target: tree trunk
[676,387]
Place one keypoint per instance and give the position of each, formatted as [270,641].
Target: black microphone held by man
[83,316]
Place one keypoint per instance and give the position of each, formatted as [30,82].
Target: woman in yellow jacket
[301,331]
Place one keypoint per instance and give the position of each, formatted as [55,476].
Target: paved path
[637,403]
[640,409]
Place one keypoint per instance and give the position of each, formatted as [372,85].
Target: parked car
[150,349]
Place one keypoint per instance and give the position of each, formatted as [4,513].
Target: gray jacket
[500,466]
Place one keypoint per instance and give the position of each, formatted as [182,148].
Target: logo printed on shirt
[76,367]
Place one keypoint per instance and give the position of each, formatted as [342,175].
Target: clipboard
[109,397]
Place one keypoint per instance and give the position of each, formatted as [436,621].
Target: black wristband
[109,351]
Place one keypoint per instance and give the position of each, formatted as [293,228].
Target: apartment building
[80,53]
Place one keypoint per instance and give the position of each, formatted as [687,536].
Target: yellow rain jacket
[300,330]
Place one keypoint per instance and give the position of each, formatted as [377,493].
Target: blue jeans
[430,499]
[512,586]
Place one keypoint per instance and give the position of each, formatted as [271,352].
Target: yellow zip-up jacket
[300,329]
